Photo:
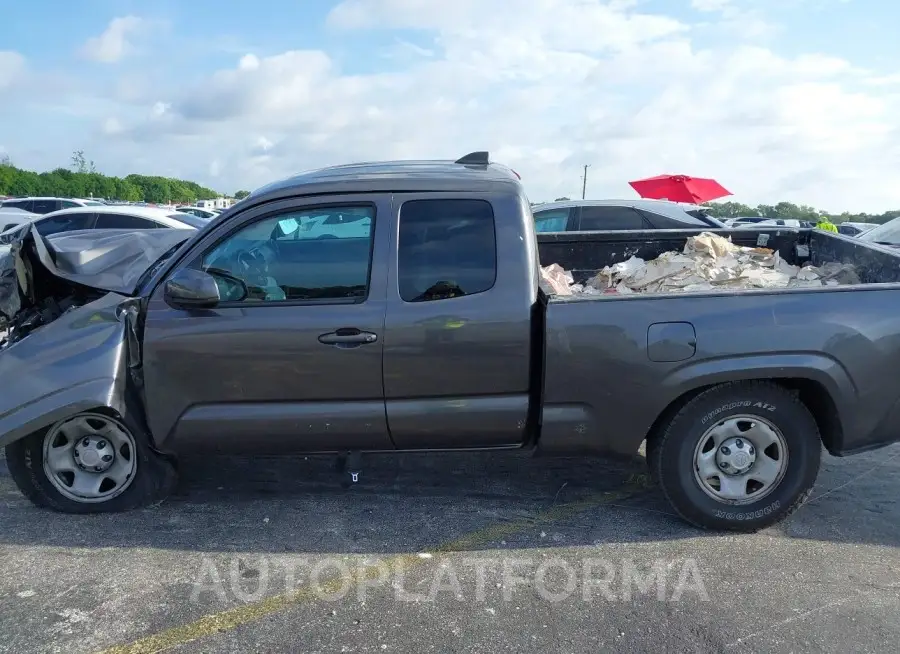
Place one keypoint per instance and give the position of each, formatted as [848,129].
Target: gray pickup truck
[398,307]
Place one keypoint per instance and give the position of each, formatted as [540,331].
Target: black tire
[670,454]
[154,479]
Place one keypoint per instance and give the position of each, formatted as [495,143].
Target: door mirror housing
[192,289]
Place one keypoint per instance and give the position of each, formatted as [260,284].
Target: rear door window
[65,223]
[23,205]
[610,218]
[551,220]
[447,248]
[45,206]
[122,221]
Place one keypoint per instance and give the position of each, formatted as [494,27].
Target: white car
[11,218]
[47,205]
[774,222]
[209,214]
[114,217]
[745,220]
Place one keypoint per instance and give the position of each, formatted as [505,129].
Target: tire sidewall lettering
[738,404]
[675,459]
[748,515]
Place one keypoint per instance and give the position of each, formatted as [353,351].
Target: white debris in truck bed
[555,280]
[708,262]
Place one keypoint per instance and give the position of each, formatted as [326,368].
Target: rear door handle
[348,337]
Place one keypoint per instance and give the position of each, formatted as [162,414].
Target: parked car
[593,215]
[10,218]
[886,234]
[775,222]
[48,205]
[855,229]
[207,214]
[428,330]
[744,220]
[111,217]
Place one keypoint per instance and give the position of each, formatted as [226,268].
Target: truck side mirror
[192,289]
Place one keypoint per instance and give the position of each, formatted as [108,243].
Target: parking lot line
[251,612]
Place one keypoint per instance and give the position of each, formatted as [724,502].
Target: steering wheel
[252,264]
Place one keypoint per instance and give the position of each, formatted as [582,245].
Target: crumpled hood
[105,259]
[73,343]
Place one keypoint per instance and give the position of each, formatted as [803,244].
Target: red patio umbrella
[679,188]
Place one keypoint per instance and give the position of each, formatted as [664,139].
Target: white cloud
[546,89]
[565,25]
[249,62]
[12,65]
[112,126]
[710,5]
[114,43]
[159,108]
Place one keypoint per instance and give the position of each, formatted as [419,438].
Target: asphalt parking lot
[450,553]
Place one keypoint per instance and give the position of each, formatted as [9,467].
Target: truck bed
[586,253]
[614,363]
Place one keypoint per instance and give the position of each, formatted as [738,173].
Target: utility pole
[584,181]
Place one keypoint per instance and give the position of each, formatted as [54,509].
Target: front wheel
[740,456]
[91,462]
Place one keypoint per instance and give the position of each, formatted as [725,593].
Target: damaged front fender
[83,360]
[71,308]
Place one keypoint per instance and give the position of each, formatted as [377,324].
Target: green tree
[82,180]
[562,199]
[79,164]
[240,195]
[730,209]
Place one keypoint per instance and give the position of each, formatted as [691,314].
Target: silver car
[614,215]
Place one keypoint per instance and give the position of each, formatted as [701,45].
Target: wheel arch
[819,382]
[96,395]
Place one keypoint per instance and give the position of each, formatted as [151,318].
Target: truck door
[457,341]
[297,363]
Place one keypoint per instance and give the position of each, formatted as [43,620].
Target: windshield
[94,203]
[888,233]
[148,274]
[190,219]
[700,214]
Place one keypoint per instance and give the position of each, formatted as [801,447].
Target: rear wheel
[739,456]
[91,462]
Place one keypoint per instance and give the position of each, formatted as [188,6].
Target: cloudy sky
[793,100]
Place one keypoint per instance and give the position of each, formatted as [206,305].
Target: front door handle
[348,337]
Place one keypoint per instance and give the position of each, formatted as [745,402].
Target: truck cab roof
[471,173]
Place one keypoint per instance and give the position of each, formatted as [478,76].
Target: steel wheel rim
[90,458]
[740,460]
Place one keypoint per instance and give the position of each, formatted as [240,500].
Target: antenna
[481,158]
